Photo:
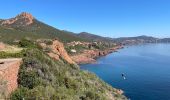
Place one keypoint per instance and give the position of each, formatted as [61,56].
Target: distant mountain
[25,25]
[165,40]
[124,40]
[93,37]
[141,39]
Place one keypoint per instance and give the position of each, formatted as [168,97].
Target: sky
[110,18]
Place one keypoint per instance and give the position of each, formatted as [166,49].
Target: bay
[146,67]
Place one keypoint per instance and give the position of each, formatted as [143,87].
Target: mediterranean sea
[146,68]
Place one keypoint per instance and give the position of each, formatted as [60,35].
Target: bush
[19,94]
[28,79]
[24,43]
[11,55]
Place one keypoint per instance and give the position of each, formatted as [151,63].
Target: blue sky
[111,18]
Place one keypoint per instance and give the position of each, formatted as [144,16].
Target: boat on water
[123,76]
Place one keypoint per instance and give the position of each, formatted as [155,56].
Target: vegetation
[19,53]
[11,55]
[40,77]
[25,43]
[92,46]
[78,48]
[37,30]
[94,38]
[3,85]
[43,78]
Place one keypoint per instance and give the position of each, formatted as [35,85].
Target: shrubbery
[25,43]
[11,55]
[41,77]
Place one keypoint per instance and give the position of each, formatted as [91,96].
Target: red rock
[58,48]
[2,46]
[57,51]
[89,56]
[9,72]
[22,19]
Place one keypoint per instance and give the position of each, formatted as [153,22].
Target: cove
[147,70]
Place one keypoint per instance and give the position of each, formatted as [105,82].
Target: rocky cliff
[57,51]
[89,56]
[8,75]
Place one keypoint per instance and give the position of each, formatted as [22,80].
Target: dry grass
[11,49]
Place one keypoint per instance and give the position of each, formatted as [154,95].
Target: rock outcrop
[22,19]
[8,74]
[58,48]
[2,45]
[89,56]
[57,51]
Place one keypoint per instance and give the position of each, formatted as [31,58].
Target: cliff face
[8,74]
[57,50]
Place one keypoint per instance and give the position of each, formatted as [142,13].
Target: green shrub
[28,79]
[11,55]
[19,94]
[24,43]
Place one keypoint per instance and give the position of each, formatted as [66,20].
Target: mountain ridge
[93,37]
[25,25]
[125,40]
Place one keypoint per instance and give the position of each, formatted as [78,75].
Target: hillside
[25,25]
[42,77]
[124,40]
[92,37]
[140,39]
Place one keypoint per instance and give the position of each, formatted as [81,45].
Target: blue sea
[146,68]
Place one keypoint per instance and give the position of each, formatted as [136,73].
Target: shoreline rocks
[90,56]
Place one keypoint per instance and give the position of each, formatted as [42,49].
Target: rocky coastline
[90,56]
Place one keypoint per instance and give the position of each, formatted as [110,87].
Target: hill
[140,39]
[42,77]
[124,40]
[25,25]
[92,37]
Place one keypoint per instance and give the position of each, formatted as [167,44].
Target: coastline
[90,56]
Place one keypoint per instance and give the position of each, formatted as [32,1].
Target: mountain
[140,39]
[93,37]
[124,40]
[165,40]
[136,40]
[25,25]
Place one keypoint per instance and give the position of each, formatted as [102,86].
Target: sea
[146,69]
